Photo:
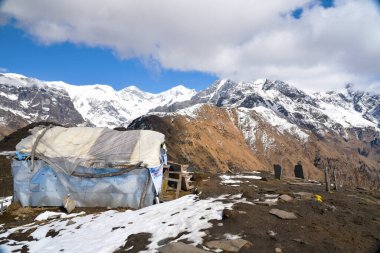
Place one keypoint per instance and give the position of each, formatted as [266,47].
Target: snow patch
[5,202]
[281,124]
[55,215]
[107,231]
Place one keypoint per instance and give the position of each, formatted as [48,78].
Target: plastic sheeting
[45,186]
[66,149]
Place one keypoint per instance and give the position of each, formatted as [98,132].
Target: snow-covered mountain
[278,124]
[103,106]
[278,101]
[233,124]
[24,100]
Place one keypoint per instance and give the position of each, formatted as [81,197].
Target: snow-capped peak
[102,105]
[20,80]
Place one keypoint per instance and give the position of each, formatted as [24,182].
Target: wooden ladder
[174,169]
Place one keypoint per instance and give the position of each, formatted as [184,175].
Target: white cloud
[240,39]
[3,70]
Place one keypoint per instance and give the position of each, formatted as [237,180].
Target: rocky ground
[341,221]
[345,221]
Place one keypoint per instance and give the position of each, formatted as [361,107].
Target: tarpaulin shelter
[94,166]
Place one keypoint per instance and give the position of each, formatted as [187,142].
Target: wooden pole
[335,182]
[327,180]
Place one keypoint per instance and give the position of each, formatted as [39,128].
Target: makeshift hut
[95,167]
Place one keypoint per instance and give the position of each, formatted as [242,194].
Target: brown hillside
[213,140]
[209,142]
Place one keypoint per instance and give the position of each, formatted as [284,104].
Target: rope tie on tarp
[35,145]
[110,174]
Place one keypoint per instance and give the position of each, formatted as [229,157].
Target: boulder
[304,195]
[180,247]
[228,214]
[283,214]
[228,245]
[286,198]
[69,204]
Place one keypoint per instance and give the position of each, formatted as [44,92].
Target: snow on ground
[191,111]
[48,215]
[5,202]
[107,231]
[234,179]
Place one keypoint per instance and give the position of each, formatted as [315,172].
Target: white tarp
[67,148]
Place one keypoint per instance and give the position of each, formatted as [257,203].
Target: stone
[228,214]
[271,233]
[266,203]
[283,214]
[286,198]
[304,195]
[70,222]
[278,250]
[228,245]
[180,247]
[69,204]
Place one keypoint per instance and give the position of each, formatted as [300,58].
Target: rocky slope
[25,100]
[103,106]
[228,126]
[284,125]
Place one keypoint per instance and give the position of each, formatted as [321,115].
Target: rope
[110,174]
[147,181]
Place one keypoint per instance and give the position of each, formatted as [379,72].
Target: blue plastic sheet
[46,187]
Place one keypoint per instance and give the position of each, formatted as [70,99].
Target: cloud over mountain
[323,48]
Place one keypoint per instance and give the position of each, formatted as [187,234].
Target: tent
[96,167]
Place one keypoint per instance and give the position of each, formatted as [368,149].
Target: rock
[69,204]
[70,222]
[269,190]
[228,214]
[278,250]
[266,203]
[283,214]
[248,194]
[299,241]
[286,198]
[229,245]
[271,233]
[180,247]
[304,195]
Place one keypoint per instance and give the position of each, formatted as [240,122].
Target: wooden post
[335,182]
[327,180]
[179,184]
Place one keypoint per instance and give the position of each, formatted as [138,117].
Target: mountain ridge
[228,126]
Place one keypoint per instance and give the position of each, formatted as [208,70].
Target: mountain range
[228,126]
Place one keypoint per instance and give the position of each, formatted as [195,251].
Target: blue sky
[315,45]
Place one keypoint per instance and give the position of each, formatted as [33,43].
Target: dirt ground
[345,220]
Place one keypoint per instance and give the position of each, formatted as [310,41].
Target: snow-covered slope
[319,112]
[98,105]
[105,107]
[25,100]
